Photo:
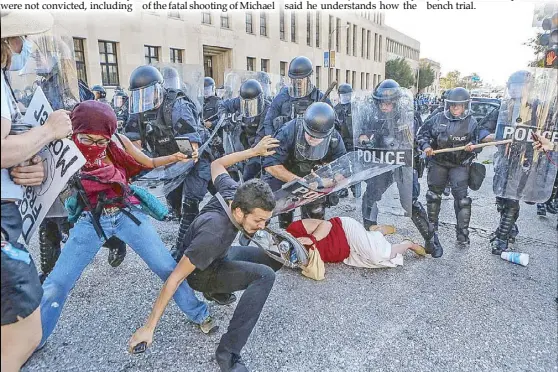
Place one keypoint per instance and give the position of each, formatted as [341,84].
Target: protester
[343,239]
[105,182]
[21,289]
[211,265]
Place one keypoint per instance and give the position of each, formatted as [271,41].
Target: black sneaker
[220,298]
[541,210]
[229,362]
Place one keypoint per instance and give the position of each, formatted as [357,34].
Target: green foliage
[451,80]
[400,71]
[426,76]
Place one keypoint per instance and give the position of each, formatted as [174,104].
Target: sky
[487,40]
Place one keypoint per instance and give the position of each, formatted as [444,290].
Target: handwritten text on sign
[61,159]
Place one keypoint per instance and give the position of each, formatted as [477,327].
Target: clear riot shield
[186,77]
[529,106]
[46,83]
[350,169]
[383,133]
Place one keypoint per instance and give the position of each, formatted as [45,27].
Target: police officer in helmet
[452,128]
[249,111]
[120,106]
[210,103]
[305,144]
[292,101]
[165,113]
[100,93]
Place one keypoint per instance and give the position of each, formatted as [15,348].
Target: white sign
[61,159]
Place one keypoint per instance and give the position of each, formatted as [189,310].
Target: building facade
[435,66]
[108,49]
[399,45]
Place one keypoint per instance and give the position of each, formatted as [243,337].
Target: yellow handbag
[315,268]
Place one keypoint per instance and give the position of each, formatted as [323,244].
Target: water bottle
[516,257]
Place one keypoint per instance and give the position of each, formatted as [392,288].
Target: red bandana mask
[93,154]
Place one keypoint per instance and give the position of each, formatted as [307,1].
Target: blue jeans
[83,245]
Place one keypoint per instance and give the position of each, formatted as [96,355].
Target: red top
[333,248]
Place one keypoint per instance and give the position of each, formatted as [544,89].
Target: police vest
[211,107]
[345,120]
[454,133]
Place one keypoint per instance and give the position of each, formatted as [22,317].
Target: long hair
[6,52]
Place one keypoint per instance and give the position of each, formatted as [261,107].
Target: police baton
[461,148]
[328,91]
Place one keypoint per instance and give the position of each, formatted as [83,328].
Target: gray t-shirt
[211,234]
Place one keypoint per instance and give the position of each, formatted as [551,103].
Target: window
[362,80]
[330,33]
[308,29]
[348,77]
[338,76]
[368,44]
[375,47]
[282,25]
[80,59]
[176,55]
[109,63]
[249,26]
[174,14]
[283,68]
[250,64]
[338,36]
[380,48]
[293,27]
[348,50]
[363,40]
[225,21]
[367,81]
[206,18]
[354,80]
[330,76]
[355,40]
[151,54]
[317,29]
[263,24]
[318,74]
[265,65]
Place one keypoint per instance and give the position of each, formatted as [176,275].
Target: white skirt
[368,248]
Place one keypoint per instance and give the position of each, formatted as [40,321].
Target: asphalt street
[466,311]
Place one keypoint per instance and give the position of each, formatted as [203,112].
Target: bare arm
[263,148]
[17,149]
[281,173]
[145,333]
[145,160]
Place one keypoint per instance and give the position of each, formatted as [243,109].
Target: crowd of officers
[310,132]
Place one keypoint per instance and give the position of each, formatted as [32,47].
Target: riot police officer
[249,110]
[210,103]
[292,101]
[120,107]
[452,128]
[165,113]
[305,144]
[389,105]
[100,93]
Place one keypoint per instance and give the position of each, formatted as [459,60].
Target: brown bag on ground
[315,268]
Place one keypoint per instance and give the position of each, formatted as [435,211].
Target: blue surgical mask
[20,59]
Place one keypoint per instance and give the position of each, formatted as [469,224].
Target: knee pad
[433,197]
[464,202]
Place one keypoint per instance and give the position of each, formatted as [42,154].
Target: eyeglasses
[103,142]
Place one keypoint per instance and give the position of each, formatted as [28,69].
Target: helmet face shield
[299,88]
[345,98]
[118,101]
[251,107]
[310,145]
[457,110]
[147,98]
[209,91]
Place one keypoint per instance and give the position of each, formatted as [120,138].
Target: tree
[538,51]
[400,71]
[426,76]
[470,82]
[451,80]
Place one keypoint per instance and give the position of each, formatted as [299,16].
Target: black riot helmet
[457,105]
[99,91]
[146,89]
[300,73]
[345,92]
[251,98]
[119,98]
[208,87]
[171,79]
[386,96]
[314,135]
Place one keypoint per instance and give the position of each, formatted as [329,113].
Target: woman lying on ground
[344,239]
[105,179]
